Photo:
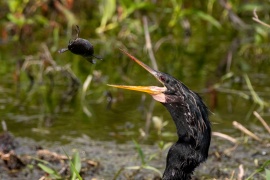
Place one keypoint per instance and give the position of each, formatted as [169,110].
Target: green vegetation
[262,170]
[144,164]
[188,39]
[218,48]
[75,167]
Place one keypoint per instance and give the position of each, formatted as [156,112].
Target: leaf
[140,152]
[86,85]
[153,169]
[46,168]
[179,13]
[107,9]
[16,6]
[266,163]
[133,167]
[250,7]
[267,174]
[41,160]
[256,98]
[20,21]
[41,19]
[228,75]
[129,9]
[261,169]
[209,19]
[167,145]
[50,171]
[75,165]
[76,161]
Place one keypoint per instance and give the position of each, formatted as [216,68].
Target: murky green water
[42,114]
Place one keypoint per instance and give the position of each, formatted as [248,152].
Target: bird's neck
[179,116]
[181,162]
[179,176]
[174,174]
[194,135]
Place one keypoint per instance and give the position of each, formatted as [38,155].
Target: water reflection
[49,99]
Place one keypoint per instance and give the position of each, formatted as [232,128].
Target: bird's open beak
[152,90]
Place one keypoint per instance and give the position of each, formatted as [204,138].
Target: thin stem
[154,65]
[256,18]
[225,136]
[149,116]
[246,131]
[149,44]
[262,121]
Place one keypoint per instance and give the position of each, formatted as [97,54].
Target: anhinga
[190,116]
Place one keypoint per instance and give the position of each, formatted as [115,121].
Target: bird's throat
[159,97]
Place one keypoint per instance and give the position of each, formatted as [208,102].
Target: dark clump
[7,154]
[7,142]
[12,161]
[81,47]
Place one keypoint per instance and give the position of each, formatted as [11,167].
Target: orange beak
[152,90]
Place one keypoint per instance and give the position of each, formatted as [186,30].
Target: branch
[225,136]
[149,44]
[239,126]
[262,121]
[256,18]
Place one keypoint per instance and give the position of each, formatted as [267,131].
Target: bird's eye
[162,78]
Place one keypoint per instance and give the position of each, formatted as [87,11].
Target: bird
[191,118]
[81,47]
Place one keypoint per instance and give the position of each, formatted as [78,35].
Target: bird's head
[161,94]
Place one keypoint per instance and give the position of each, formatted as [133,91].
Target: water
[42,113]
[55,107]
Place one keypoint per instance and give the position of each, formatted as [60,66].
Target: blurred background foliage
[213,46]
